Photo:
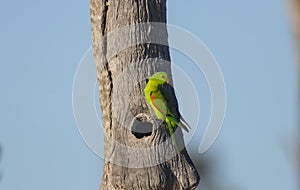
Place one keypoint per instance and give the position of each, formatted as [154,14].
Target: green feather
[161,97]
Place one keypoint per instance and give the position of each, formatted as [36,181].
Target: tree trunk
[295,4]
[138,151]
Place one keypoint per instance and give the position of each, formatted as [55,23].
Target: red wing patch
[152,97]
[154,101]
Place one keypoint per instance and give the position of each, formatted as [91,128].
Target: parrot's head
[160,77]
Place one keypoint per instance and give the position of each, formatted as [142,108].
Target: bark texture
[146,161]
[295,5]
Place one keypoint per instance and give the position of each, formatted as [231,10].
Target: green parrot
[161,97]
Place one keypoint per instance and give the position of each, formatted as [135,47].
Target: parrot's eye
[163,76]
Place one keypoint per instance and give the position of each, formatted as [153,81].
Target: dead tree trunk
[295,5]
[138,151]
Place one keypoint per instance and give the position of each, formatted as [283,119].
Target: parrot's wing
[168,93]
[160,105]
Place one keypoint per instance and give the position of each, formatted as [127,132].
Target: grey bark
[133,161]
[295,5]
[296,17]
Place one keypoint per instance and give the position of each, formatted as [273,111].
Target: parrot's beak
[167,81]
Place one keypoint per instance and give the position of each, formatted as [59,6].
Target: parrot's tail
[172,134]
[176,135]
[175,144]
[183,122]
[184,126]
[174,122]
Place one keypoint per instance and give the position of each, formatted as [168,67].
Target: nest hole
[141,127]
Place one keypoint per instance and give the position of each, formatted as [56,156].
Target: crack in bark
[109,72]
[104,22]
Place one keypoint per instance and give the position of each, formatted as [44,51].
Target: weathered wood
[295,5]
[134,161]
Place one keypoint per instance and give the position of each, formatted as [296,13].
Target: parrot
[160,95]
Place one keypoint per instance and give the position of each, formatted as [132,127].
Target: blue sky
[42,43]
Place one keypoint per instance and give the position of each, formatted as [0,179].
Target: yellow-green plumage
[160,96]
